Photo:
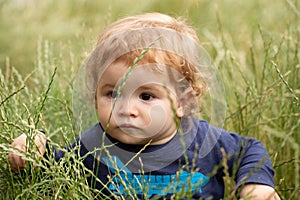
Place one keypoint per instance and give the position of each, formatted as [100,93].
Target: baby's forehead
[141,71]
[139,75]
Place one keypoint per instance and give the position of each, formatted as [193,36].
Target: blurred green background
[76,24]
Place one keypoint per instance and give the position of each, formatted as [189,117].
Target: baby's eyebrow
[153,86]
[107,86]
[150,86]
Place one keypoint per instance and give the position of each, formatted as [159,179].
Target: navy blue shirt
[190,164]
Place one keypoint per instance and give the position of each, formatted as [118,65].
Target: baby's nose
[126,107]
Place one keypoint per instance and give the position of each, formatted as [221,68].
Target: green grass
[255,45]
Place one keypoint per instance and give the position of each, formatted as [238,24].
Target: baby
[144,78]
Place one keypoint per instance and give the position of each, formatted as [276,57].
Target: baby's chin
[128,139]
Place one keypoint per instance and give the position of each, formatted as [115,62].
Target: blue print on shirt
[142,184]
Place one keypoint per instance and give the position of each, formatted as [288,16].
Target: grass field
[255,45]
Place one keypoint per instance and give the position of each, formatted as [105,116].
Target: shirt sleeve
[248,160]
[89,138]
[53,152]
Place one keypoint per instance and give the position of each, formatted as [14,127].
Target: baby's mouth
[132,130]
[127,126]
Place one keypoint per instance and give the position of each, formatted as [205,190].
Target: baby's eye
[146,96]
[113,94]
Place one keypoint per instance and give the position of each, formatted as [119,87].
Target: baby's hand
[16,162]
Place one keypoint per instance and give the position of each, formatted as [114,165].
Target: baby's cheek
[103,117]
[156,119]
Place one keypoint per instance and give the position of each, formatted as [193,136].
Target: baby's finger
[20,163]
[11,161]
[16,162]
[19,160]
[40,141]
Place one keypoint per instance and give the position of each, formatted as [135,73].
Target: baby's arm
[255,174]
[257,167]
[16,162]
[257,191]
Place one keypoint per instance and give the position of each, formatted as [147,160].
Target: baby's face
[144,110]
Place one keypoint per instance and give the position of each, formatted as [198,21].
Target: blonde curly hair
[127,38]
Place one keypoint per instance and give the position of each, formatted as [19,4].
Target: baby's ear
[184,101]
[179,111]
[95,102]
